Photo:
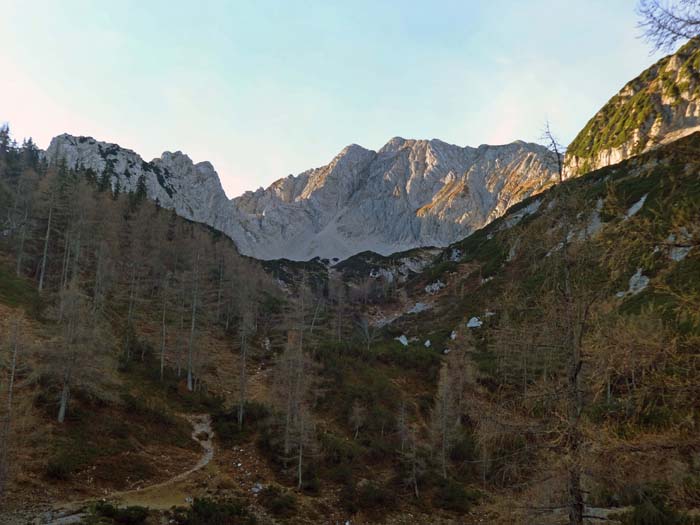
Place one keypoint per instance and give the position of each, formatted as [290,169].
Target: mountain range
[409,193]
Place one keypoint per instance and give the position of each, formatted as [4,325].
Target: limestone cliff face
[192,190]
[408,194]
[659,106]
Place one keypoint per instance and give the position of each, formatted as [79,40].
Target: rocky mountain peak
[193,190]
[393,145]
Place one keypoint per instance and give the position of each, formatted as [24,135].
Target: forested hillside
[116,316]
[552,366]
[578,343]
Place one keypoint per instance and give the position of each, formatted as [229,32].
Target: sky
[265,88]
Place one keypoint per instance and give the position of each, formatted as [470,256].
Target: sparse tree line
[574,380]
[105,264]
[108,257]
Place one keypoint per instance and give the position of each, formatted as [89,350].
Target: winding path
[201,433]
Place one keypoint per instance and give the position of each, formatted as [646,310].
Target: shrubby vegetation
[211,512]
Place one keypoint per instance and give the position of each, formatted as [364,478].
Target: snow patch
[453,335]
[513,251]
[594,223]
[679,253]
[377,273]
[474,322]
[383,321]
[636,206]
[419,307]
[402,339]
[283,286]
[637,283]
[427,343]
[558,247]
[680,247]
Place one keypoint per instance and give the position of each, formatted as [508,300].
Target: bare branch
[665,24]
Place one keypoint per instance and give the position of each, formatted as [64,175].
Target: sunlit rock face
[659,106]
[408,194]
[173,180]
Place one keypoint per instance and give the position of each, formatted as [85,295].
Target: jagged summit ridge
[407,194]
[193,190]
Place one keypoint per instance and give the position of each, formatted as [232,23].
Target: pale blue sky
[267,88]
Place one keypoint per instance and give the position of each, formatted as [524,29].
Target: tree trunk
[574,328]
[64,276]
[66,259]
[76,258]
[130,313]
[287,428]
[42,273]
[162,337]
[443,454]
[444,417]
[228,317]
[13,368]
[65,395]
[20,248]
[242,379]
[97,286]
[195,291]
[414,465]
[415,479]
[301,451]
[576,505]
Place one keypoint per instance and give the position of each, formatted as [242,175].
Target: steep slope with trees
[579,325]
[660,105]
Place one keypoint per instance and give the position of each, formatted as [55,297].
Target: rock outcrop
[193,190]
